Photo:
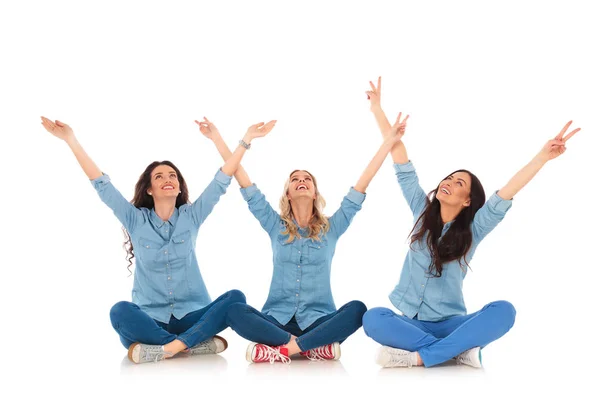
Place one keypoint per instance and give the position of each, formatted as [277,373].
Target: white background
[486,85]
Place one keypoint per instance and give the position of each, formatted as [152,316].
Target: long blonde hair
[318,224]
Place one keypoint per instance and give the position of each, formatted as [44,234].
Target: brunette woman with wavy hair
[299,315]
[171,310]
[449,224]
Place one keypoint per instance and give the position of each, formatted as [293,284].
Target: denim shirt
[419,293]
[167,279]
[301,283]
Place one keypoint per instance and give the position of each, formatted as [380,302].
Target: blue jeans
[257,327]
[440,341]
[134,325]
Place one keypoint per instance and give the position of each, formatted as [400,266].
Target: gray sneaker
[214,345]
[141,353]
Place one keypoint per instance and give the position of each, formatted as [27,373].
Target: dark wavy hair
[458,240]
[141,199]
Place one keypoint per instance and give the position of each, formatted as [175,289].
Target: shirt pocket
[182,244]
[149,250]
[318,251]
[283,249]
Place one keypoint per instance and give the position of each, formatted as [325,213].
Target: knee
[373,317]
[506,310]
[358,308]
[236,296]
[235,312]
[354,312]
[118,311]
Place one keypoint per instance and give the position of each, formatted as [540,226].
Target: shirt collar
[447,226]
[302,231]
[158,223]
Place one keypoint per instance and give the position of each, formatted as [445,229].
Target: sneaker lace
[202,347]
[463,358]
[320,353]
[271,354]
[400,362]
[155,354]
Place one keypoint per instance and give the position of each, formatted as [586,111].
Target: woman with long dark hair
[449,224]
[171,309]
[299,316]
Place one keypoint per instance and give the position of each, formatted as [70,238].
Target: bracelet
[244,144]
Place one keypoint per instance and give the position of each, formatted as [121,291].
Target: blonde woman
[299,315]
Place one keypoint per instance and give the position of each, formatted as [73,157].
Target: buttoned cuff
[355,196]
[222,177]
[407,167]
[497,203]
[249,191]
[100,181]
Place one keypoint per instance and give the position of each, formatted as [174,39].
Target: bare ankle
[292,346]
[419,359]
[173,348]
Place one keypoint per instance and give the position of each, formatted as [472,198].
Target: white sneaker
[471,357]
[389,357]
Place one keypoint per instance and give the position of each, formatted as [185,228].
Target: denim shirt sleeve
[130,216]
[203,206]
[409,183]
[341,219]
[261,209]
[489,216]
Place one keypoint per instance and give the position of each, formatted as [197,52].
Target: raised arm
[494,210]
[399,154]
[352,203]
[204,205]
[127,214]
[209,130]
[393,136]
[261,209]
[552,149]
[65,133]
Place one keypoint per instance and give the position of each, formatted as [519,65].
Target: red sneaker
[257,352]
[328,352]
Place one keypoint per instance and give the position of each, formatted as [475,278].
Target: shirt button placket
[168,277]
[422,291]
[298,277]
[169,288]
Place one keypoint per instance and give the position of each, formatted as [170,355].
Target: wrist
[247,138]
[245,143]
[389,142]
[71,140]
[540,158]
